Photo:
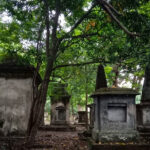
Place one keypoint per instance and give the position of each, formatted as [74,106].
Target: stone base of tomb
[64,128]
[115,136]
[144,133]
[118,145]
[13,142]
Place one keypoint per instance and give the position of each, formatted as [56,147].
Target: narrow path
[53,140]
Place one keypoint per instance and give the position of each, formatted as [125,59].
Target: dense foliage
[67,40]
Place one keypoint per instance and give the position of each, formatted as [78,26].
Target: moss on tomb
[13,59]
[59,93]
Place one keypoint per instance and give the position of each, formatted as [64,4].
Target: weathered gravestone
[115,112]
[16,96]
[82,117]
[60,102]
[60,109]
[115,115]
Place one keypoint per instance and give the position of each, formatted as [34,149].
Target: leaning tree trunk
[39,103]
[51,51]
[146,86]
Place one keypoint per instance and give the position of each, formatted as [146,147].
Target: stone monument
[60,109]
[60,102]
[115,115]
[16,96]
[115,112]
[82,117]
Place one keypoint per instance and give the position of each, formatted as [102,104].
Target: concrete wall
[15,102]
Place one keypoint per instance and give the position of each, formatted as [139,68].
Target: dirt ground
[51,140]
[59,141]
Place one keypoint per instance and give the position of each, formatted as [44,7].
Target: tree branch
[82,18]
[55,40]
[47,23]
[78,22]
[81,36]
[111,7]
[77,65]
[108,10]
[55,21]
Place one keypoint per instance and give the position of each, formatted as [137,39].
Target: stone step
[57,128]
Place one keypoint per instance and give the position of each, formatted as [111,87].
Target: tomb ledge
[114,91]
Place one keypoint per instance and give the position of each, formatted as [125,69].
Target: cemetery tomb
[82,117]
[60,105]
[16,96]
[60,110]
[115,115]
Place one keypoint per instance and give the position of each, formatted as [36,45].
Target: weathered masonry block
[16,96]
[115,115]
[60,102]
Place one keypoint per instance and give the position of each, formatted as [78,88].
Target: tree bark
[51,51]
[116,71]
[39,103]
[86,97]
[146,86]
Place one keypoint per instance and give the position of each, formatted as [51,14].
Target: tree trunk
[86,108]
[39,103]
[116,71]
[146,86]
[86,97]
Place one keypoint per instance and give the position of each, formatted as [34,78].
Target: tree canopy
[67,40]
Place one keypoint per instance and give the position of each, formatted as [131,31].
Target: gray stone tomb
[115,115]
[16,96]
[82,117]
[60,102]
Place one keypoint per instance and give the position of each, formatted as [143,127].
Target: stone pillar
[91,117]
